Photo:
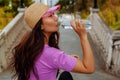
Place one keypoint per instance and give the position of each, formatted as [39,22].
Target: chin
[57,28]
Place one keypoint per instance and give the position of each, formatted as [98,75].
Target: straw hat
[35,11]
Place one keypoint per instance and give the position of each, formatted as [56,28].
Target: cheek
[50,25]
[49,22]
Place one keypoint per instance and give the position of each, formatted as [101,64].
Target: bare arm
[86,65]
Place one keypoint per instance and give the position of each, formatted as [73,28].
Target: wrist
[83,38]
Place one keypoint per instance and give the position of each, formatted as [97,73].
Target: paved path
[69,42]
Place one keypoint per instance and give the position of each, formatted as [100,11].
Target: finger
[77,24]
[76,56]
[72,24]
[83,24]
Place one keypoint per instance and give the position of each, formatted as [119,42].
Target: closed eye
[51,15]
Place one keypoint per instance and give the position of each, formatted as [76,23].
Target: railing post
[95,4]
[22,4]
[95,7]
[22,7]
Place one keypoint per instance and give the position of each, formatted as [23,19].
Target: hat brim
[52,10]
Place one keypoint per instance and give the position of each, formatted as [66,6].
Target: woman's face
[50,23]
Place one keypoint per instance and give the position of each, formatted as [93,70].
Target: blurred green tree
[67,6]
[4,2]
[8,10]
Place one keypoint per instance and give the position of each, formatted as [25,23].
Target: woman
[38,56]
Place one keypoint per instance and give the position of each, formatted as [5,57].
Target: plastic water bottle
[87,22]
[66,22]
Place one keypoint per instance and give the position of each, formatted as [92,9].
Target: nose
[55,17]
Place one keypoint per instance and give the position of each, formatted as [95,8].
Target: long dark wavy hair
[27,51]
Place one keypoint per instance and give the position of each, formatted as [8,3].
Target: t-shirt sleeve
[64,61]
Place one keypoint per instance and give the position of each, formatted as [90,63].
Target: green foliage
[73,6]
[117,14]
[110,13]
[4,2]
[109,10]
[84,14]
[5,18]
[108,16]
[67,6]
[16,4]
[101,3]
[8,11]
[116,26]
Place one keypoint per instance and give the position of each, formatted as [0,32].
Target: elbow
[90,71]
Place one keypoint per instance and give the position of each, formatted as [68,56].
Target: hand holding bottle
[79,28]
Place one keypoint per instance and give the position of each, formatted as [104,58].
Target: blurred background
[102,21]
[109,9]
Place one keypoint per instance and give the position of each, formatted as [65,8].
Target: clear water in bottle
[88,24]
[65,23]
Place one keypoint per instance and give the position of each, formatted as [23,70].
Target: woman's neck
[47,36]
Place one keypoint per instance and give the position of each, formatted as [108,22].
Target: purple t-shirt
[50,61]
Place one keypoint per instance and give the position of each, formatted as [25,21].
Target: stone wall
[106,44]
[115,62]
[9,37]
